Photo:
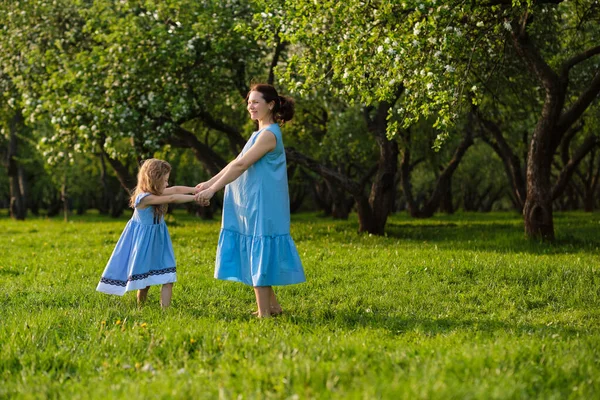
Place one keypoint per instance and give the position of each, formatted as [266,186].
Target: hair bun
[286,109]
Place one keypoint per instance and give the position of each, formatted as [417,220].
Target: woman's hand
[201,186]
[205,195]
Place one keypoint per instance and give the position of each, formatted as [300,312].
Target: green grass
[453,307]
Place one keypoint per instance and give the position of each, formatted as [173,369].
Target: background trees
[377,84]
[443,57]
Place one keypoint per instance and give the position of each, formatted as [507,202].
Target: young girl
[144,255]
[255,246]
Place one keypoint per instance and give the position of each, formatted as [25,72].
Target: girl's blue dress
[143,255]
[255,246]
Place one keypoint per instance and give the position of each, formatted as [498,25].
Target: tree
[126,78]
[440,194]
[13,131]
[443,55]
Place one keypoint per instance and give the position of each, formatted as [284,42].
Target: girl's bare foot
[142,296]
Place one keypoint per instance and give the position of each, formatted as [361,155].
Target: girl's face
[165,182]
[258,108]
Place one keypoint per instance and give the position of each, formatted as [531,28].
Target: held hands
[199,188]
[204,196]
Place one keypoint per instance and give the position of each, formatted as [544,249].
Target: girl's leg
[165,295]
[263,300]
[142,295]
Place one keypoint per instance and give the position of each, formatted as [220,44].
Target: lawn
[457,306]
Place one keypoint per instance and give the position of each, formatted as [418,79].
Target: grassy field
[453,307]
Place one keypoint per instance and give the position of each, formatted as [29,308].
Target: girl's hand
[201,186]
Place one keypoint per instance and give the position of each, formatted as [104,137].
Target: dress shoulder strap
[139,198]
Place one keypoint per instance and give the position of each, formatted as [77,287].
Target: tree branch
[511,161]
[565,175]
[186,139]
[571,62]
[349,185]
[235,138]
[566,142]
[532,57]
[127,181]
[278,50]
[445,177]
[569,117]
[240,79]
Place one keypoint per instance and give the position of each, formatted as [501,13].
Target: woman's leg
[274,305]
[142,295]
[165,295]
[263,300]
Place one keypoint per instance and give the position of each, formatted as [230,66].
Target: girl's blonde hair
[150,179]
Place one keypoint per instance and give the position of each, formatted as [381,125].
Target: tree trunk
[117,203]
[588,201]
[53,208]
[366,222]
[383,189]
[64,195]
[373,218]
[103,201]
[321,196]
[538,207]
[537,211]
[340,206]
[18,205]
[551,128]
[446,205]
[374,210]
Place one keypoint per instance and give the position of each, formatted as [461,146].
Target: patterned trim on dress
[137,277]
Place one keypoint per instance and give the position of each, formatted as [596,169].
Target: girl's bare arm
[179,190]
[153,200]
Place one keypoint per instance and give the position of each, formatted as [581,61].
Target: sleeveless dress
[255,246]
[143,255]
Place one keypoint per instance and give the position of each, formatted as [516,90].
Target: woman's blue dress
[255,246]
[143,255]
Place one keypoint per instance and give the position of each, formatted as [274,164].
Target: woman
[255,246]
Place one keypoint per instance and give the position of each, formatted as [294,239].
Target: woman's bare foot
[274,312]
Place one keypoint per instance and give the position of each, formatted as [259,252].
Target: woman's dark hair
[284,106]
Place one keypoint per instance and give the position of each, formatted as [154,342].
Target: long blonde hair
[150,179]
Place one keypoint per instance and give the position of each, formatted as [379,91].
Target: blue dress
[255,246]
[143,255]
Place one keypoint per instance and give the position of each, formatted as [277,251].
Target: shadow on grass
[9,272]
[472,235]
[399,325]
[395,325]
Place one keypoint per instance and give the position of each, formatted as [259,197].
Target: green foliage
[442,53]
[451,307]
[115,74]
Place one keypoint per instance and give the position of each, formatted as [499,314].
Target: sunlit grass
[455,306]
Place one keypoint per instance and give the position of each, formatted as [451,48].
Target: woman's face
[257,106]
